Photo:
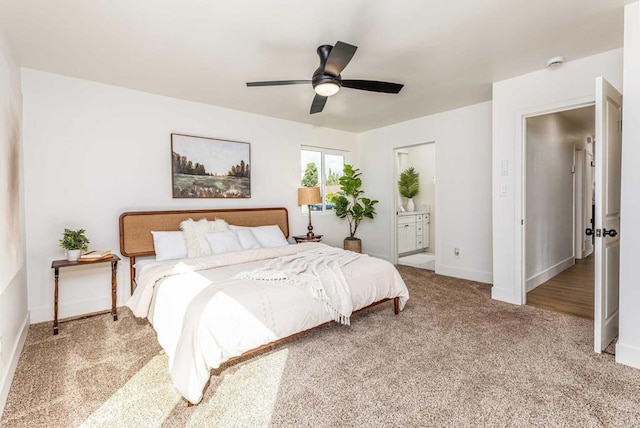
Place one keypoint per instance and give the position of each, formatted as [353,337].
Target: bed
[214,308]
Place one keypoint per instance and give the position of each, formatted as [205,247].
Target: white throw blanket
[141,299]
[321,270]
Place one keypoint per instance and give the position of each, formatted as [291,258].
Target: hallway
[570,292]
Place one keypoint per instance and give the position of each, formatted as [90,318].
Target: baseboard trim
[628,355]
[471,275]
[504,295]
[7,377]
[549,273]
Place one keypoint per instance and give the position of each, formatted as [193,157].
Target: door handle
[588,232]
[612,233]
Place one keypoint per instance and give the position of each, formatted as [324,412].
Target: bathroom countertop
[400,214]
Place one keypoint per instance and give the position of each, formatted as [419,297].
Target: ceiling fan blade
[373,86]
[318,104]
[339,57]
[279,83]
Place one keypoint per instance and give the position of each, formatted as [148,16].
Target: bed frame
[136,240]
[136,226]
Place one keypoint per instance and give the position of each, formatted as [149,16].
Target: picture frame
[204,167]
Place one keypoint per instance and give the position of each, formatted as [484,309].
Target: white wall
[423,159]
[14,317]
[628,347]
[550,142]
[546,90]
[463,207]
[93,151]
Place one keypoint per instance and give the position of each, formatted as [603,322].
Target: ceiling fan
[326,80]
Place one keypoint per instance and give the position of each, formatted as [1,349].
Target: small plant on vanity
[74,241]
[409,186]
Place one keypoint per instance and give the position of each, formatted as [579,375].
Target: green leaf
[409,183]
[351,204]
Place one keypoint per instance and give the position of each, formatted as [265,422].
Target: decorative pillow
[269,236]
[246,238]
[223,242]
[169,245]
[218,225]
[194,235]
[194,232]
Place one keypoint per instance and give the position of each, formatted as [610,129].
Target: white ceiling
[446,53]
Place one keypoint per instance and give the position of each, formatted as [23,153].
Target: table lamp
[308,196]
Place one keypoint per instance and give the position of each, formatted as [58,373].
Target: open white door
[607,153]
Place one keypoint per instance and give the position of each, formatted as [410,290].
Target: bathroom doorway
[416,205]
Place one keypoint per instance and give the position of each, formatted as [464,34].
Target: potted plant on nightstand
[353,206]
[409,186]
[74,241]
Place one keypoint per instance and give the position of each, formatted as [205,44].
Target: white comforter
[204,315]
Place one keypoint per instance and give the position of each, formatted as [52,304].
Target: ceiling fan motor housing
[320,76]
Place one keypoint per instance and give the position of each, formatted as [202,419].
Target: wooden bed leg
[396,305]
[132,272]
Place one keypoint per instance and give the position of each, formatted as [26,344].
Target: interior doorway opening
[415,214]
[559,202]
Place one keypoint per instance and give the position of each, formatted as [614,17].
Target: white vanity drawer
[406,220]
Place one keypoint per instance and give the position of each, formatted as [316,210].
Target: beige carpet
[454,357]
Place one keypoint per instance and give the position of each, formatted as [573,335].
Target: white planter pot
[410,206]
[72,255]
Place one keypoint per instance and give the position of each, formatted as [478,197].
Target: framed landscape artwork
[210,168]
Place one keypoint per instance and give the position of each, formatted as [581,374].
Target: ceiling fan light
[327,89]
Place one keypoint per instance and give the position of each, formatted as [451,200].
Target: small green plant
[409,184]
[352,205]
[74,240]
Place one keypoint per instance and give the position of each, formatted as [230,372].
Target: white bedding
[204,316]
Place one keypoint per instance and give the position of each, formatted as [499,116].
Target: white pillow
[269,236]
[194,235]
[246,238]
[223,242]
[169,245]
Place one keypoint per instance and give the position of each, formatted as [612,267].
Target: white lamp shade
[309,195]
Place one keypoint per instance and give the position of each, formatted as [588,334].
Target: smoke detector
[555,61]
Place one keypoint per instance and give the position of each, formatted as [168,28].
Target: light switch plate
[504,167]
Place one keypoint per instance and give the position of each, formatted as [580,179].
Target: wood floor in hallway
[570,292]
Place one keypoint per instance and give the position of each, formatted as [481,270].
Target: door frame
[520,162]
[583,195]
[433,213]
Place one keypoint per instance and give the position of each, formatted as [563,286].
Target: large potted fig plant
[350,204]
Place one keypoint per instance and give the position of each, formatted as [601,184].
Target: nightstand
[304,238]
[57,264]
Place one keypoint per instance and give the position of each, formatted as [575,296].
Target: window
[321,167]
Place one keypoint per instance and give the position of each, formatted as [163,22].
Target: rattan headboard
[135,227]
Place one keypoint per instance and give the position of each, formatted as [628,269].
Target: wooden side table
[57,264]
[304,238]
